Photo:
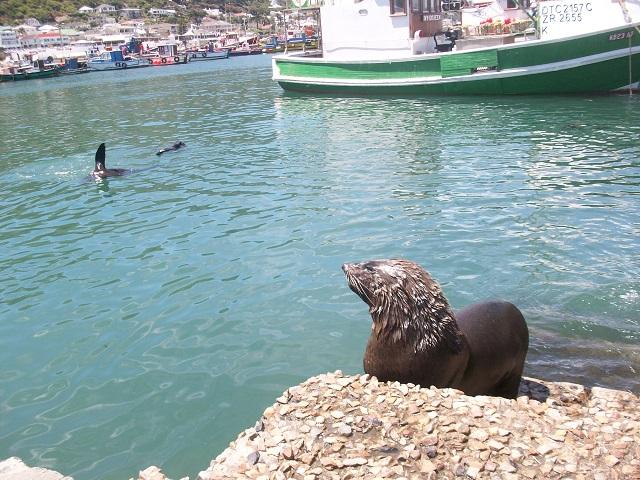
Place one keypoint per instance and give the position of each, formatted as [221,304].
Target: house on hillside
[85,9]
[32,22]
[131,12]
[44,40]
[161,30]
[161,12]
[8,38]
[104,8]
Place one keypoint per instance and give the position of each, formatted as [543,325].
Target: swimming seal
[101,171]
[416,338]
[175,146]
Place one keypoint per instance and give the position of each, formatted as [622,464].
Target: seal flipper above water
[100,170]
[100,155]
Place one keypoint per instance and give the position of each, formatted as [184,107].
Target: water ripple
[150,318]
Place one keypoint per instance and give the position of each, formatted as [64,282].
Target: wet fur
[416,338]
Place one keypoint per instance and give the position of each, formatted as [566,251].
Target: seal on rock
[417,338]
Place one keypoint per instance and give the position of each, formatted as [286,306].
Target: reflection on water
[150,318]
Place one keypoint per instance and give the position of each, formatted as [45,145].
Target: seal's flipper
[100,154]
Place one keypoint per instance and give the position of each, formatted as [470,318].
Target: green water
[149,319]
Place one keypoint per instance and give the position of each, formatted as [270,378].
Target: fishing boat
[295,41]
[115,60]
[28,71]
[212,54]
[167,54]
[73,67]
[401,47]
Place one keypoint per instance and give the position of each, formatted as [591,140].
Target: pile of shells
[354,427]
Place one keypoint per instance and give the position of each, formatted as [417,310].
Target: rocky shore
[341,427]
[353,427]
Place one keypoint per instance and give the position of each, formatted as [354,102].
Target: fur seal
[101,171]
[416,338]
[175,146]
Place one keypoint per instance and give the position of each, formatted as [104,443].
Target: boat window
[398,7]
[416,5]
[431,6]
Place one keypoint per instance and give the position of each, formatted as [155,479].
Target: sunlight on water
[148,319]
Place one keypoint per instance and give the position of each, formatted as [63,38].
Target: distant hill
[14,12]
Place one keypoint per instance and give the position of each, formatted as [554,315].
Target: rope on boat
[629,19]
[627,16]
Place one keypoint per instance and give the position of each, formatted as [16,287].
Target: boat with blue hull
[203,55]
[115,60]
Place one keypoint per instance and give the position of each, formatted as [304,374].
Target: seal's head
[405,303]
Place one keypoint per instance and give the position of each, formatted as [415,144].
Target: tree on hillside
[259,9]
[196,15]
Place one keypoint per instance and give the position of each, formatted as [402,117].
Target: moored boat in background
[581,47]
[201,55]
[166,54]
[115,60]
[28,71]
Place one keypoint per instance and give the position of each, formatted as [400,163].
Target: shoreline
[337,426]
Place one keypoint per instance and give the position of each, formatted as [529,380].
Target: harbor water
[148,319]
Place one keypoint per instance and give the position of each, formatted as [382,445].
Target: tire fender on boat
[124,64]
[150,62]
[204,54]
[117,64]
[164,60]
[176,59]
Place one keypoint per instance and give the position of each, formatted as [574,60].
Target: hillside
[14,12]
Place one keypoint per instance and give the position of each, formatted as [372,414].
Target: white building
[85,9]
[104,8]
[44,40]
[8,38]
[161,12]
[131,12]
[48,29]
[25,29]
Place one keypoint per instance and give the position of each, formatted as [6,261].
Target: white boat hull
[100,64]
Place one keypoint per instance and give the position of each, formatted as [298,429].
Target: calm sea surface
[148,319]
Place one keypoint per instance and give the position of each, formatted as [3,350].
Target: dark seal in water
[100,170]
[416,338]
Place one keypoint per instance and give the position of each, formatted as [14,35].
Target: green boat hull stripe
[512,72]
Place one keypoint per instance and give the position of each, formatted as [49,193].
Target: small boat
[245,49]
[29,71]
[115,60]
[73,67]
[295,41]
[166,54]
[200,55]
[402,47]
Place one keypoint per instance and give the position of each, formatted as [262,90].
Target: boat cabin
[167,50]
[379,28]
